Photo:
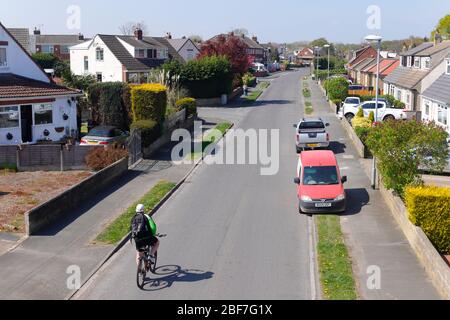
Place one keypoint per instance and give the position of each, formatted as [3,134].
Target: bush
[372,117]
[101,158]
[45,60]
[306,93]
[149,102]
[323,74]
[361,122]
[110,104]
[360,113]
[150,131]
[362,133]
[249,80]
[190,104]
[337,88]
[208,77]
[402,147]
[429,209]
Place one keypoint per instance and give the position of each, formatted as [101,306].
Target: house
[22,35]
[435,100]
[359,70]
[55,44]
[32,107]
[415,71]
[305,57]
[182,50]
[113,58]
[369,74]
[254,49]
[356,57]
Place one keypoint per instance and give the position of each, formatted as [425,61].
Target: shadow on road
[172,274]
[356,200]
[337,147]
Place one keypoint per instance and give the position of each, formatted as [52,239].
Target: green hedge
[337,88]
[110,104]
[429,209]
[150,131]
[190,104]
[149,102]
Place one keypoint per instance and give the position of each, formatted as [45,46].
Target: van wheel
[349,117]
[299,150]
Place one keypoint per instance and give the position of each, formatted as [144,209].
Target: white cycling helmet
[140,208]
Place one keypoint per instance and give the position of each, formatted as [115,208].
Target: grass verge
[264,85]
[309,110]
[335,268]
[306,93]
[254,95]
[210,138]
[120,227]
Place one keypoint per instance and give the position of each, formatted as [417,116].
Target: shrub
[399,105]
[337,88]
[45,60]
[360,113]
[208,77]
[249,80]
[361,122]
[150,131]
[110,104]
[8,167]
[372,117]
[101,158]
[402,147]
[149,102]
[429,209]
[190,104]
[362,133]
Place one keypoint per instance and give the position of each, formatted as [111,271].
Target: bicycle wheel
[141,274]
[153,266]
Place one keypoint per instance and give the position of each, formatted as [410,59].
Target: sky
[271,21]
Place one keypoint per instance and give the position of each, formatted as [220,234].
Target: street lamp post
[377,39]
[328,47]
[317,67]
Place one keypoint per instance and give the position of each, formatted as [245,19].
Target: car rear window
[312,125]
[315,176]
[101,132]
[352,101]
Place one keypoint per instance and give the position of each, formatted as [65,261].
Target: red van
[320,184]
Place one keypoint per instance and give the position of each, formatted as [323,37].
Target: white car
[349,102]
[384,112]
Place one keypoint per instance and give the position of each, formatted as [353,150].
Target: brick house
[254,48]
[55,44]
[356,57]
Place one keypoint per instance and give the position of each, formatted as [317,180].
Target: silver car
[104,136]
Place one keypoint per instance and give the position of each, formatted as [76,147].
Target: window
[65,49]
[140,53]
[133,78]
[427,63]
[314,176]
[391,90]
[43,114]
[149,53]
[398,95]
[48,48]
[190,54]
[442,114]
[408,98]
[99,77]
[427,107]
[448,66]
[86,64]
[100,55]
[409,61]
[3,60]
[9,117]
[416,62]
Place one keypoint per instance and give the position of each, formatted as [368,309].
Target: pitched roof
[439,90]
[145,43]
[408,78]
[22,35]
[173,52]
[386,66]
[122,54]
[357,54]
[445,45]
[416,50]
[364,63]
[178,43]
[14,86]
[61,39]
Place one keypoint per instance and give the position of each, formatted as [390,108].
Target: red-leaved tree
[233,48]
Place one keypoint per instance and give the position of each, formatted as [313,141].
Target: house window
[442,114]
[133,78]
[427,107]
[409,62]
[43,114]
[408,98]
[86,64]
[99,77]
[398,95]
[149,53]
[48,48]
[190,54]
[140,53]
[391,90]
[9,117]
[65,49]
[427,63]
[3,60]
[448,66]
[416,62]
[99,54]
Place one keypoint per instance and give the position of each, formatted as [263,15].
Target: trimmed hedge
[149,102]
[110,103]
[359,122]
[150,131]
[190,104]
[337,88]
[429,209]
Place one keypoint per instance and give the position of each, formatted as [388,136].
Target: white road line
[348,157]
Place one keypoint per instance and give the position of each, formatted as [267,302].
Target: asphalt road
[231,232]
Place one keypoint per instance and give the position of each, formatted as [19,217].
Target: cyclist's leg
[155,248]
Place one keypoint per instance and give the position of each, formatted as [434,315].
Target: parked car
[384,112]
[104,135]
[349,102]
[320,184]
[311,133]
[355,87]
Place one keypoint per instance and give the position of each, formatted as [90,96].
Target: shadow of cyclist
[172,274]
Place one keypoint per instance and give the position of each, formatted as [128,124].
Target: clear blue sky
[283,21]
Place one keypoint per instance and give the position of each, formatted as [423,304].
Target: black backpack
[139,227]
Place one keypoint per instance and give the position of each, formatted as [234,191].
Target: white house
[118,58]
[436,98]
[32,107]
[182,50]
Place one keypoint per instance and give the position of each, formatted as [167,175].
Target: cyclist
[143,232]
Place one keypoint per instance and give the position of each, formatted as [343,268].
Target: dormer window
[99,54]
[427,63]
[3,58]
[448,66]
[416,62]
[409,62]
[140,53]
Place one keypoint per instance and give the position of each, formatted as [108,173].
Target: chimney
[243,36]
[168,35]
[37,32]
[255,39]
[80,37]
[138,34]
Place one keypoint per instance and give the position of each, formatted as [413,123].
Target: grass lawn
[118,229]
[210,139]
[335,268]
[253,96]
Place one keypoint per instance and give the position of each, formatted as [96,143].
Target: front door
[26,116]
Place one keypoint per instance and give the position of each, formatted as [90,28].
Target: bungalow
[182,50]
[357,72]
[358,56]
[254,49]
[32,107]
[415,70]
[113,58]
[436,98]
[369,74]
[305,57]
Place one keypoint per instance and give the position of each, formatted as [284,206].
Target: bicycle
[145,265]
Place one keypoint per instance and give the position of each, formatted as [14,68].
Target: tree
[337,88]
[240,32]
[231,47]
[402,147]
[443,28]
[45,60]
[128,28]
[196,39]
[319,42]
